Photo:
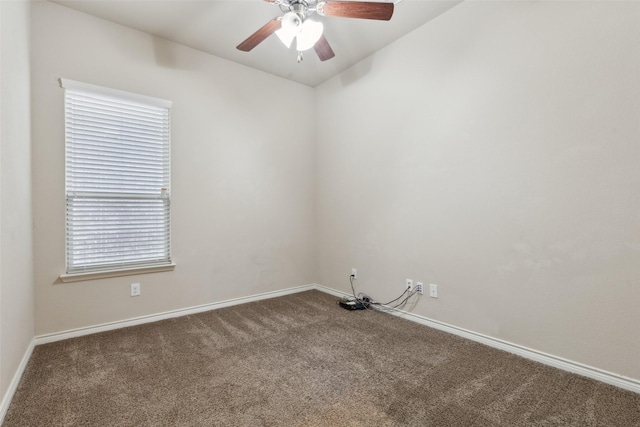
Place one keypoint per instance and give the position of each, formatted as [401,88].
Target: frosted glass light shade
[285,37]
[291,23]
[309,35]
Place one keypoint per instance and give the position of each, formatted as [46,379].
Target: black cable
[368,304]
[352,288]
[400,304]
[393,300]
[364,303]
[405,300]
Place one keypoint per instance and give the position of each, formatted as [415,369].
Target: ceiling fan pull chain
[299,57]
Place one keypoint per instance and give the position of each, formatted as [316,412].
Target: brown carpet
[300,360]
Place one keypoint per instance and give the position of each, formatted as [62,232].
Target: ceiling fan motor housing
[303,8]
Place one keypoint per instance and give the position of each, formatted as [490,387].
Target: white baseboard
[538,356]
[330,291]
[13,386]
[529,353]
[63,335]
[72,333]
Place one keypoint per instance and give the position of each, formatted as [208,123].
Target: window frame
[113,269]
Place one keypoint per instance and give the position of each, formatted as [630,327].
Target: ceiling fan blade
[323,49]
[258,37]
[357,9]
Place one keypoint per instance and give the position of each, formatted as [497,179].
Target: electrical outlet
[354,273]
[409,284]
[433,291]
[135,289]
[420,288]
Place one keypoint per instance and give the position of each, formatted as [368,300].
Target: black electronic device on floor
[352,304]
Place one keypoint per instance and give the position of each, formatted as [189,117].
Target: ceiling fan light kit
[291,23]
[309,35]
[305,31]
[294,24]
[285,37]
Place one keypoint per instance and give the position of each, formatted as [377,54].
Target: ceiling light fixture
[306,32]
[285,37]
[292,23]
[309,35]
[295,25]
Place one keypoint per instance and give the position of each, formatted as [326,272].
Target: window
[118,208]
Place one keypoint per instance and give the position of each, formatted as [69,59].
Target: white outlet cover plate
[135,289]
[433,291]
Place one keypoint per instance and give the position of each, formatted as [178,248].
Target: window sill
[79,277]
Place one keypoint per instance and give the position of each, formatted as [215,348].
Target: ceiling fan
[295,23]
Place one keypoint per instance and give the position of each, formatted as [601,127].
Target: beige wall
[492,151]
[242,171]
[16,260]
[495,152]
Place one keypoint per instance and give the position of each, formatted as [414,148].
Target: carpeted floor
[300,360]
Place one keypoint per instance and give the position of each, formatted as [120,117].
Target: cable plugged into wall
[409,284]
[359,302]
[362,301]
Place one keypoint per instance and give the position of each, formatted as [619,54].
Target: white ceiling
[218,26]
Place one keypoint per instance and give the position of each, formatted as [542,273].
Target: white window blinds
[117,179]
